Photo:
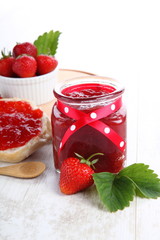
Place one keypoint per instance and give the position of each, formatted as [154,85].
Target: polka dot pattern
[94,120]
[121,144]
[73,127]
[107,130]
[93,115]
[66,109]
[113,107]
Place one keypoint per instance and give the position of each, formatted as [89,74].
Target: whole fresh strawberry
[25,48]
[76,174]
[45,64]
[6,63]
[25,66]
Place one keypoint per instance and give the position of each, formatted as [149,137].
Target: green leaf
[47,43]
[144,179]
[115,191]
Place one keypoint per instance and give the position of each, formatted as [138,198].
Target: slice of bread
[18,154]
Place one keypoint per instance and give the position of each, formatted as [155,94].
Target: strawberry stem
[87,161]
[4,55]
[93,155]
[79,156]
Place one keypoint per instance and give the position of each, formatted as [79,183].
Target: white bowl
[38,89]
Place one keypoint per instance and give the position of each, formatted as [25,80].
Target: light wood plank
[148,211]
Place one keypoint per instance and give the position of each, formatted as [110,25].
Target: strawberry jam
[87,91]
[19,123]
[91,94]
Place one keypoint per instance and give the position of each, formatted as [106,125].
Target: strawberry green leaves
[117,190]
[47,43]
[144,179]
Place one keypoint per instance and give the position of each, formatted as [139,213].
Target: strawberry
[6,67]
[45,64]
[76,174]
[25,48]
[6,63]
[25,66]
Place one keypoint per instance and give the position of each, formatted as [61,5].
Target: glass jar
[89,117]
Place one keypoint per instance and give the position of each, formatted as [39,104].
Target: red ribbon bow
[92,119]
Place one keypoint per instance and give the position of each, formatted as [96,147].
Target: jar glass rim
[61,85]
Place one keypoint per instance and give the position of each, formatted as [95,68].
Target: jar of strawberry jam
[89,117]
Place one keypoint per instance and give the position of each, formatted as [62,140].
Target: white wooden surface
[35,209]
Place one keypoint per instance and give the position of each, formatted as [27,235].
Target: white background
[118,39]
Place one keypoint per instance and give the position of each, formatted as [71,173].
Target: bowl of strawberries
[29,71]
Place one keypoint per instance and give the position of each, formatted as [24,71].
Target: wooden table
[34,209]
